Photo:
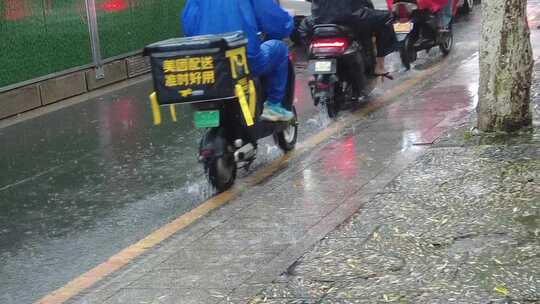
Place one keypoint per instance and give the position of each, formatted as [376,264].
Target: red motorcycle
[418,27]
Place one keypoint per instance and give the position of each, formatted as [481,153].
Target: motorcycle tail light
[404,10]
[322,86]
[329,46]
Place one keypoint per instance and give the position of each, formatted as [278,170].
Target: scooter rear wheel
[448,42]
[221,172]
[467,7]
[332,108]
[407,53]
[286,139]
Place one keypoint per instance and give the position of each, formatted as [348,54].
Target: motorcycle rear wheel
[407,53]
[221,172]
[332,108]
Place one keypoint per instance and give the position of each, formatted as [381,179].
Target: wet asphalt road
[81,183]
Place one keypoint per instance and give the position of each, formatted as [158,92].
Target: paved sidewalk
[460,225]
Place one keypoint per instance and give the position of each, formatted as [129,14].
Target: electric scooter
[341,64]
[211,74]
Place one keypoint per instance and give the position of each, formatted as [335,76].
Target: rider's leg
[356,72]
[274,63]
[446,15]
[380,68]
[386,37]
[380,23]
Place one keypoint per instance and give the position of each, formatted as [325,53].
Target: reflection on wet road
[84,182]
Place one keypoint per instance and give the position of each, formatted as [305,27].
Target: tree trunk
[506,64]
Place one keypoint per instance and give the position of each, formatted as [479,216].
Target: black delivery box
[199,68]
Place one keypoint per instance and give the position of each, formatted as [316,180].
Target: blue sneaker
[275,113]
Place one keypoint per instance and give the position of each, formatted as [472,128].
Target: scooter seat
[331,30]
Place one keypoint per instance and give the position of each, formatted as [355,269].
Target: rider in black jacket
[361,17]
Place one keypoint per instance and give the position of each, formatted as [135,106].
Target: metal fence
[41,38]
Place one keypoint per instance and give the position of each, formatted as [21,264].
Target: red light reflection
[119,120]
[114,5]
[341,158]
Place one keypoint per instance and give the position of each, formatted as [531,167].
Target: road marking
[124,257]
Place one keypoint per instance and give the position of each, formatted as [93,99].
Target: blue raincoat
[202,17]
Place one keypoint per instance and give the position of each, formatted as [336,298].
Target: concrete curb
[46,92]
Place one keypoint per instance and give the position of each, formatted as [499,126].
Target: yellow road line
[124,257]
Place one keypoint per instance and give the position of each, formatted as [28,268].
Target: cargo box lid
[220,41]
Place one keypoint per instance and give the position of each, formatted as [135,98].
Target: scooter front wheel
[286,139]
[221,171]
[332,108]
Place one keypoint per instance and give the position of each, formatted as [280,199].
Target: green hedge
[40,37]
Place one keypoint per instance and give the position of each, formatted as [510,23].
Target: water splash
[321,119]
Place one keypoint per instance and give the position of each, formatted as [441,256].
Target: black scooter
[342,66]
[228,105]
